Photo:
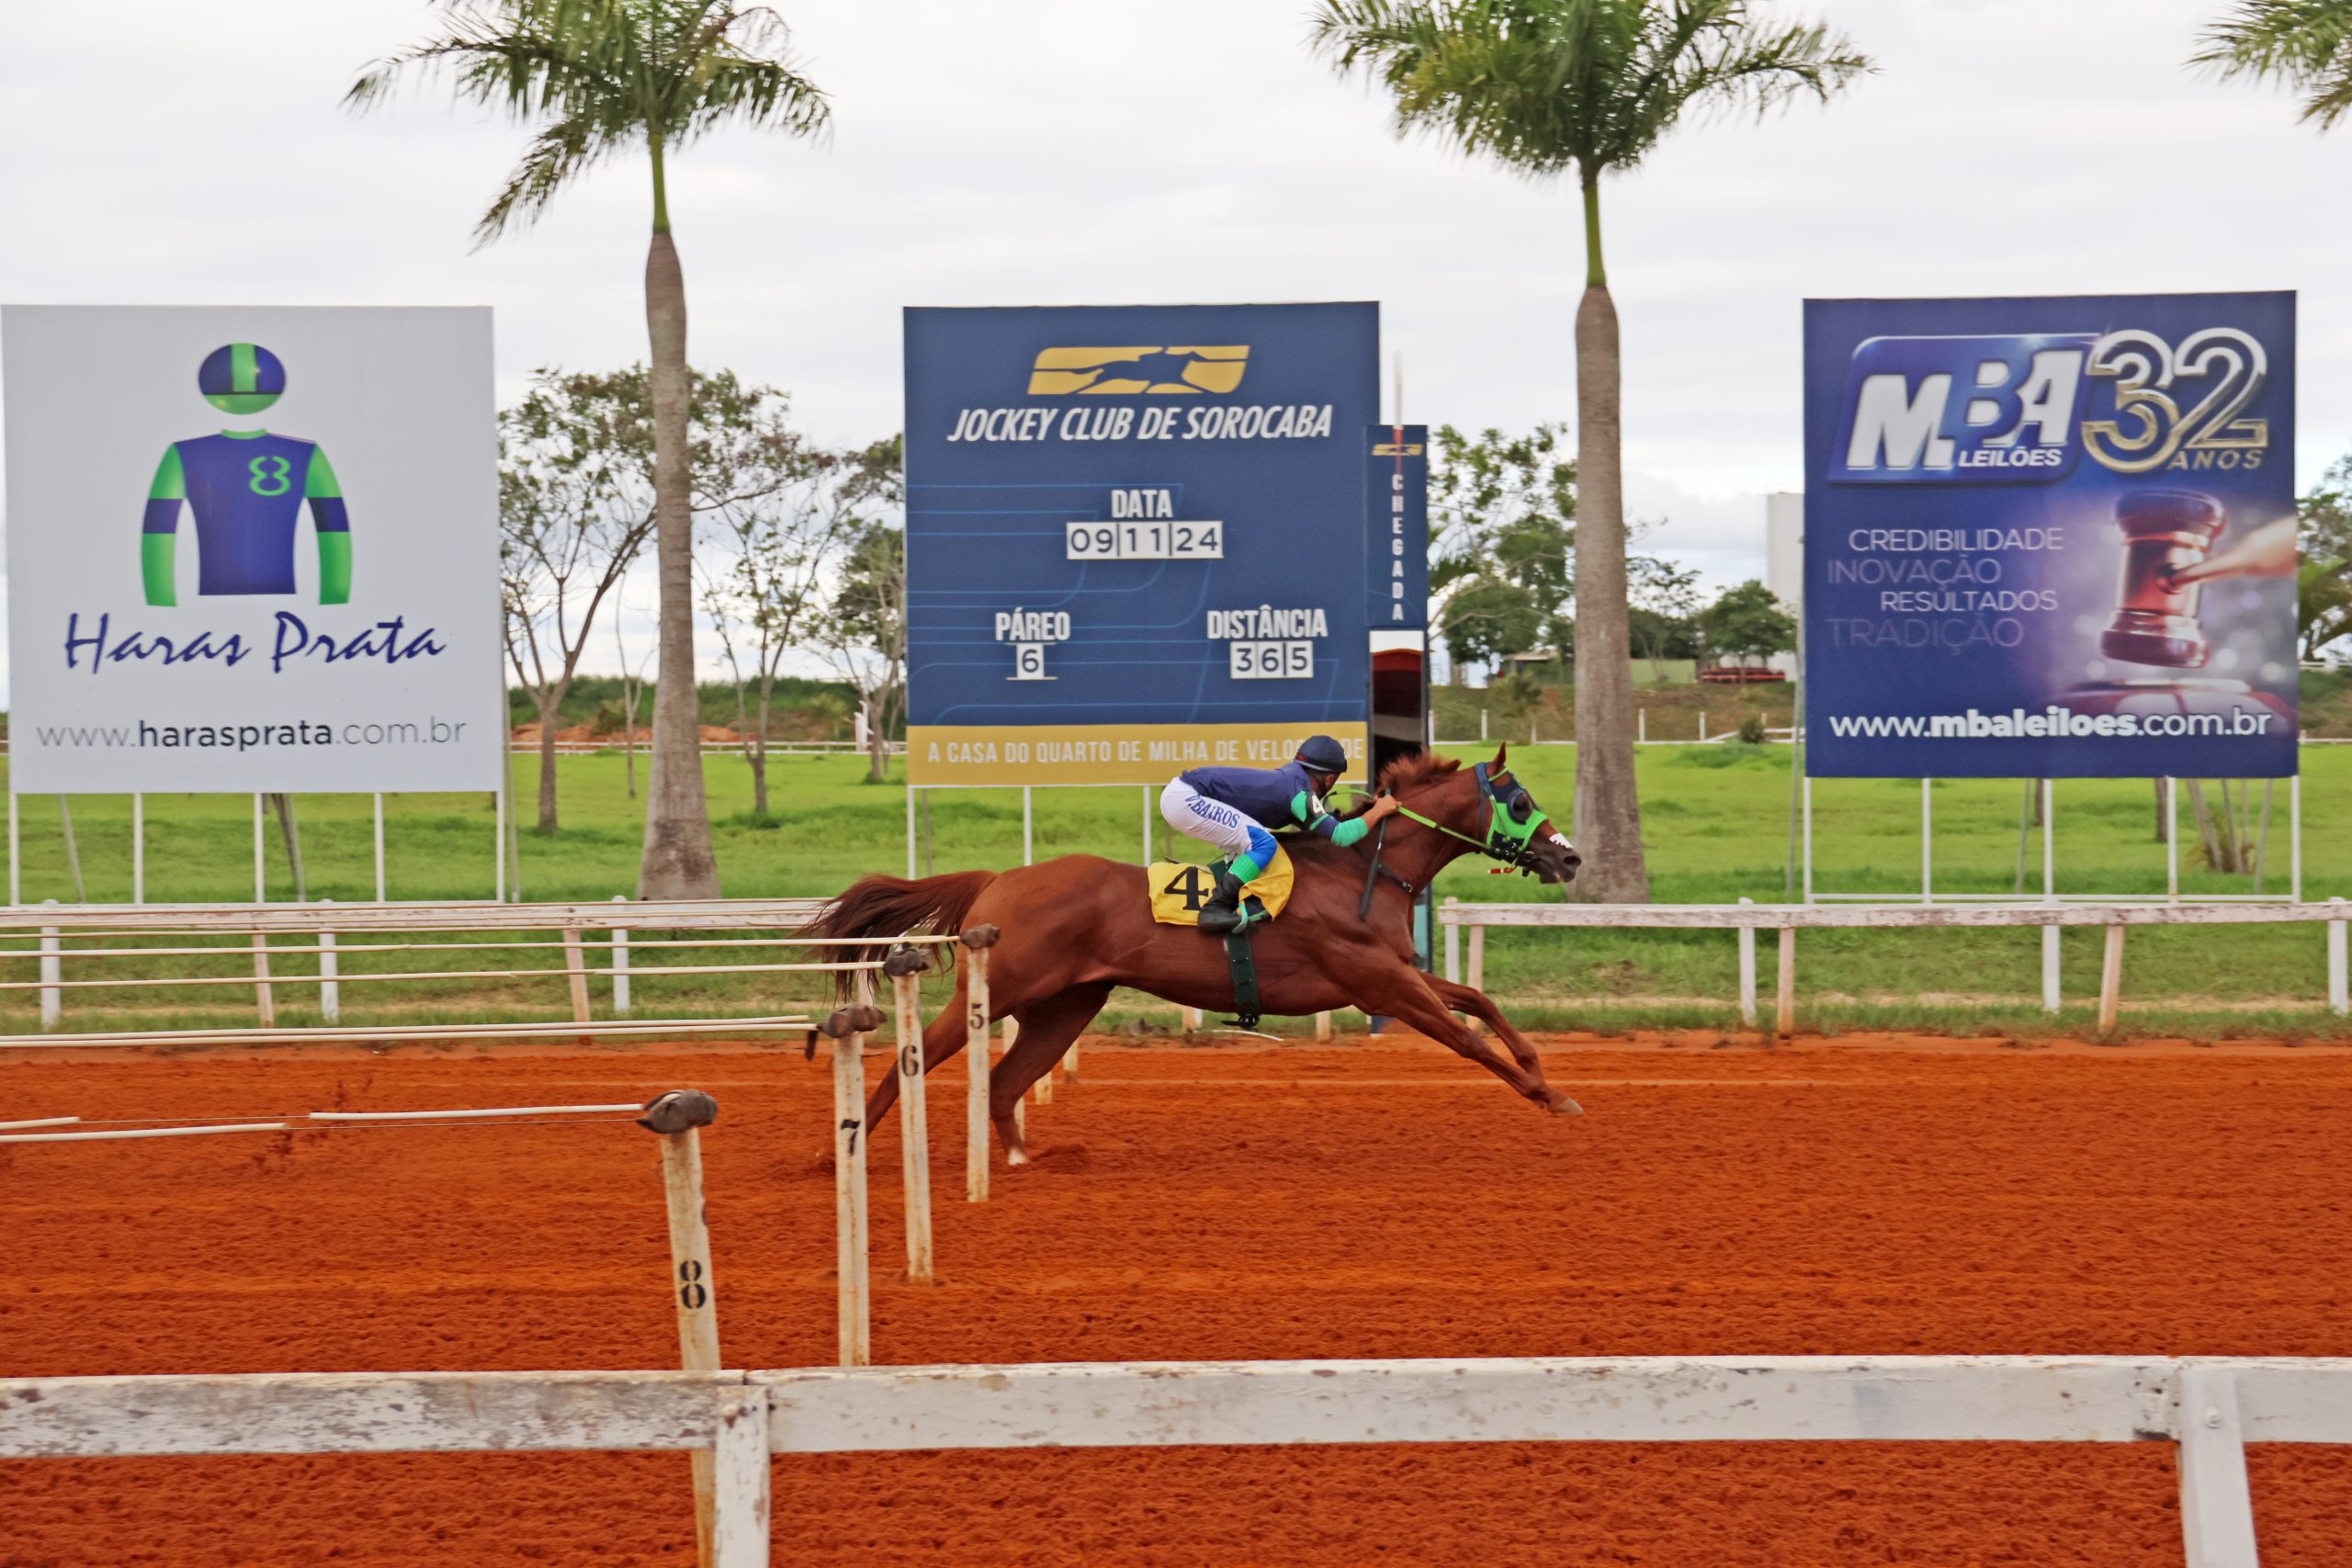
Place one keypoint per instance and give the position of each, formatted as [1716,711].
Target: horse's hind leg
[942,1038]
[1047,1027]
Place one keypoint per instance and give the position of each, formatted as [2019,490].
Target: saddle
[1178,890]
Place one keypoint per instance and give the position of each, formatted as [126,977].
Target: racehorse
[1075,926]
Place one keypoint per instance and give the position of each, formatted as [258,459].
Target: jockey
[1232,809]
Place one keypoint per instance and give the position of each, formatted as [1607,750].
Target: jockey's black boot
[1221,915]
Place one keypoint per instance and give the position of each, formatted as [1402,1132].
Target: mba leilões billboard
[2051,537]
[1137,538]
[252,550]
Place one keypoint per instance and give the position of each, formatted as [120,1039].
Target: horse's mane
[1417,768]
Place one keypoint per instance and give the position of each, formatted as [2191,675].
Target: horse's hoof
[1015,1156]
[1560,1105]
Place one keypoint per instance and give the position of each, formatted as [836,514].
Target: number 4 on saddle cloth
[1178,891]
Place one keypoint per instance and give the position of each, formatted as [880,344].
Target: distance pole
[852,1255]
[498,807]
[906,968]
[677,1116]
[976,941]
[2294,834]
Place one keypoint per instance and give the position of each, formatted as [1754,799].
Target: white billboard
[252,550]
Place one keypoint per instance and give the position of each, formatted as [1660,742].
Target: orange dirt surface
[1365,1199]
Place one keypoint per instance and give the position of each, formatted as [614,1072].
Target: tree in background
[2306,44]
[1584,87]
[1747,622]
[575,507]
[862,634]
[600,78]
[1665,609]
[780,541]
[2323,582]
[1502,547]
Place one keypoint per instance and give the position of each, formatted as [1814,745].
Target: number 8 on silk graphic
[245,489]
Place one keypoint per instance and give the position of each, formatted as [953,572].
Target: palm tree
[2306,43]
[597,78]
[1550,88]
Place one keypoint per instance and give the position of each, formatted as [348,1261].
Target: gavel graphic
[2166,536]
[2164,532]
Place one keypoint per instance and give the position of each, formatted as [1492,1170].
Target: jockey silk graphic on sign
[245,488]
[188,610]
[2051,537]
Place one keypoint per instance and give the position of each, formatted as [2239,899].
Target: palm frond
[598,75]
[2307,44]
[1542,86]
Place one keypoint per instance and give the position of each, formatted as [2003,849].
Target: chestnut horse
[1075,926]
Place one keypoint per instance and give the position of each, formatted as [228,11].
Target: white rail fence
[312,945]
[1747,918]
[2210,1408]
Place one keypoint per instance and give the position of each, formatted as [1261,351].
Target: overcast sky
[1048,152]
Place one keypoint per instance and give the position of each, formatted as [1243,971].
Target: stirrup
[1222,916]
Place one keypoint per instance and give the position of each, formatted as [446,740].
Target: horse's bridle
[1507,839]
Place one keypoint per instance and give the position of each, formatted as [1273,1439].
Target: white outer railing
[1747,918]
[2210,1408]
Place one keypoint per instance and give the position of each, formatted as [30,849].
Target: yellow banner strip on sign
[1105,753]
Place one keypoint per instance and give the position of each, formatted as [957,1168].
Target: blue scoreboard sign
[1143,538]
[2051,537]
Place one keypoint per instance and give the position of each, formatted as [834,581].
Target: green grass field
[1716,821]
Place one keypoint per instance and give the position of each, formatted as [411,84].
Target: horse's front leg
[1409,994]
[1461,998]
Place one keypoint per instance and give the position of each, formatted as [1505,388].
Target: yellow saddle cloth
[1178,890]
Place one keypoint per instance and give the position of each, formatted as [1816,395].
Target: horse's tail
[895,907]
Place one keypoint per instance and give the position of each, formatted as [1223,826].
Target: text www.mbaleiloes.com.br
[2052,722]
[144,736]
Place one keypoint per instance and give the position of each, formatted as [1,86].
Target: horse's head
[1487,806]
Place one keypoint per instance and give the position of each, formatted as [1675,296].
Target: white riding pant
[1214,823]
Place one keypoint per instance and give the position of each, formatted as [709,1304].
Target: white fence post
[1785,996]
[1322,1027]
[1478,981]
[2111,977]
[53,995]
[2338,999]
[330,991]
[1452,937]
[1748,970]
[620,964]
[2216,1505]
[741,1480]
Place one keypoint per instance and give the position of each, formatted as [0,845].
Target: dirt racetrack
[1374,1199]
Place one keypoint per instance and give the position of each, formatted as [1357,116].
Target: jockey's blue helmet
[1323,755]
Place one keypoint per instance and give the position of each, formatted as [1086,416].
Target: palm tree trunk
[1608,816]
[678,862]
